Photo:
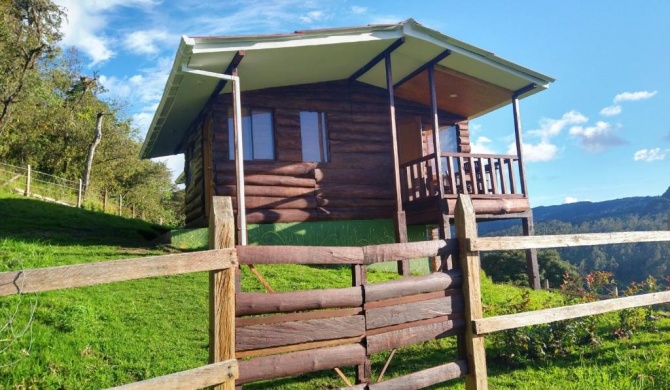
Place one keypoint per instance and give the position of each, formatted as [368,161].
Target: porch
[495,183]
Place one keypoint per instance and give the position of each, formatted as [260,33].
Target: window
[448,139]
[314,135]
[257,134]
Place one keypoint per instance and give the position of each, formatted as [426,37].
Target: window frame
[248,142]
[322,136]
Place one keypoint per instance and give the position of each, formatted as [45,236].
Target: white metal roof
[315,56]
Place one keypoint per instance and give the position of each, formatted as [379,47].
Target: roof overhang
[470,81]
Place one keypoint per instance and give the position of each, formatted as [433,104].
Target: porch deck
[494,182]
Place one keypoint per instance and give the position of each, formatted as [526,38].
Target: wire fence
[47,187]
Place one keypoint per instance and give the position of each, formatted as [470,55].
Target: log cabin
[353,123]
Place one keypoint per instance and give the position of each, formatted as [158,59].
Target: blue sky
[599,132]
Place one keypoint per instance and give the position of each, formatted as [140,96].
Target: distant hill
[629,262]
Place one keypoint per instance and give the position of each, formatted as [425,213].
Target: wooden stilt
[532,268]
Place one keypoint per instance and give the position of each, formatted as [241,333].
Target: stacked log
[292,333]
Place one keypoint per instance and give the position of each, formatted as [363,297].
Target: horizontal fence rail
[563,240]
[537,317]
[88,274]
[197,378]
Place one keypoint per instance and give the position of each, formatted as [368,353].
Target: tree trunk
[91,151]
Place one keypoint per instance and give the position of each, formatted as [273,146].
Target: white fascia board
[225,45]
[183,54]
[477,54]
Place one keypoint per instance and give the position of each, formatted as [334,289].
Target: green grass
[107,335]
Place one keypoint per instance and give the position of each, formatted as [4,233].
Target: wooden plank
[310,315]
[297,347]
[407,325]
[407,250]
[414,311]
[280,254]
[412,286]
[466,228]
[411,298]
[336,213]
[222,287]
[334,201]
[511,321]
[262,303]
[398,338]
[268,180]
[271,202]
[79,275]
[281,215]
[299,169]
[564,240]
[424,378]
[355,190]
[276,191]
[294,363]
[298,332]
[196,378]
[377,177]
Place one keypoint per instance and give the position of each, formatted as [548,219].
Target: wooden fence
[291,333]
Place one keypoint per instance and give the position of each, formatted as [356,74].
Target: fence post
[222,287]
[79,194]
[27,191]
[466,229]
[120,204]
[104,201]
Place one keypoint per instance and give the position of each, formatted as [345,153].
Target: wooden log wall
[297,332]
[195,189]
[357,182]
[463,137]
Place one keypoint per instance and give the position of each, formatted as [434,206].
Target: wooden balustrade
[463,173]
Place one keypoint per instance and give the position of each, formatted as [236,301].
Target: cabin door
[410,140]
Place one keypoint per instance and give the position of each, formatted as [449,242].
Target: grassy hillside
[101,336]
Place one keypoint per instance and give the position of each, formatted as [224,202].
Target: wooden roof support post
[399,220]
[222,287]
[444,217]
[466,229]
[532,267]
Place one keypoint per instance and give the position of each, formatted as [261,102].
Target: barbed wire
[14,329]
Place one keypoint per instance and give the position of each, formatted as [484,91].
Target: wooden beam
[234,63]
[196,378]
[222,287]
[427,65]
[294,363]
[79,275]
[495,324]
[466,228]
[563,240]
[424,378]
[377,59]
[519,144]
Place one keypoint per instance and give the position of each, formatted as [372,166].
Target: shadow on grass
[29,220]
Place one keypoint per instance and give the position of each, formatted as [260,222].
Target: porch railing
[463,173]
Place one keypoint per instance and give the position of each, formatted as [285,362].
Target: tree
[30,31]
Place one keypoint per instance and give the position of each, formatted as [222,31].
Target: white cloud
[649,155]
[570,199]
[358,10]
[552,127]
[633,96]
[611,110]
[543,151]
[546,150]
[596,138]
[86,22]
[148,41]
[481,146]
[313,16]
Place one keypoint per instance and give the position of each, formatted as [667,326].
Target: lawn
[107,335]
